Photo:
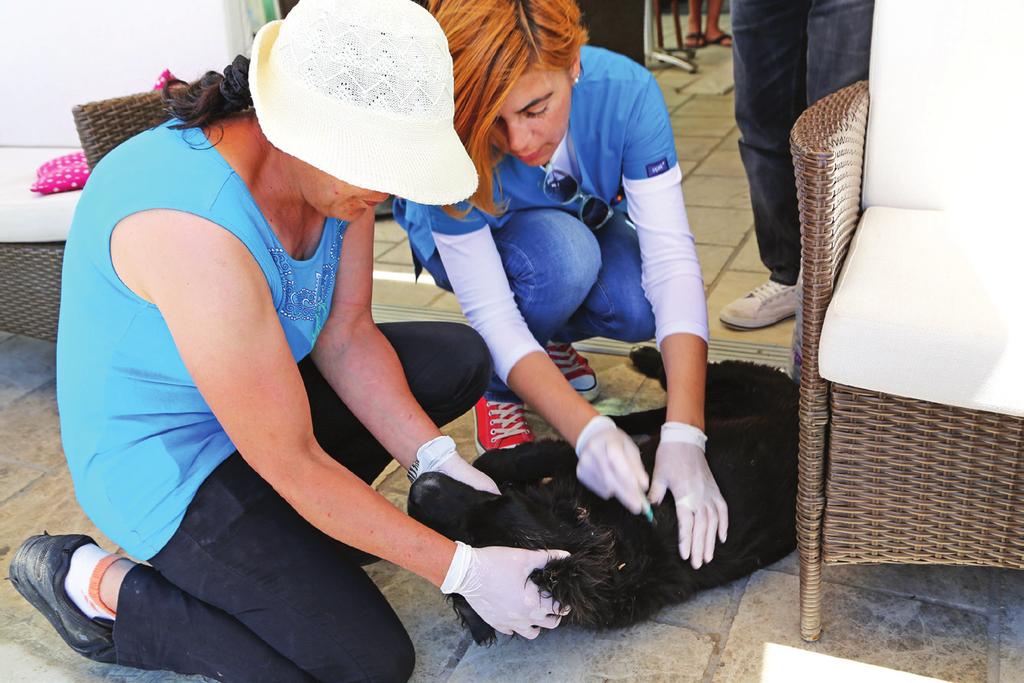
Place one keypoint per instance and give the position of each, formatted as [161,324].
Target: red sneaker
[500,425]
[575,368]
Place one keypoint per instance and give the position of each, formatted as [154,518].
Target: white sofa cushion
[24,215]
[66,52]
[927,308]
[944,117]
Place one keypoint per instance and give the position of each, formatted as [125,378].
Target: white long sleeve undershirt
[671,275]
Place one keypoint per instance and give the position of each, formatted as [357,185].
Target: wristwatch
[431,455]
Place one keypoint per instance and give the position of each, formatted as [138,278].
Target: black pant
[788,54]
[247,590]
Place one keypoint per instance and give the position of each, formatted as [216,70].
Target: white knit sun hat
[363,90]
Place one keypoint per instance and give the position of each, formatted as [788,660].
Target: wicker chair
[884,478]
[33,269]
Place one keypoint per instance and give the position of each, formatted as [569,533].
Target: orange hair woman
[577,229]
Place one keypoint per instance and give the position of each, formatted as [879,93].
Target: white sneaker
[763,306]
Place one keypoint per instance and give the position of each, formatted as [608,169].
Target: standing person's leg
[694,34]
[769,63]
[838,45]
[713,34]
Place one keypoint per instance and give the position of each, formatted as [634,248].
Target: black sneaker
[37,571]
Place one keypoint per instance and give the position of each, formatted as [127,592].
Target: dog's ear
[481,631]
[443,503]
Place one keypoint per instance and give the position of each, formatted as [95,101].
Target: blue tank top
[138,436]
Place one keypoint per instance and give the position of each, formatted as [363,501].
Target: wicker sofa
[912,387]
[58,66]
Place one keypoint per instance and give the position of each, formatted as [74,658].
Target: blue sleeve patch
[657,168]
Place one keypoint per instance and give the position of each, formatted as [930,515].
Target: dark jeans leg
[616,307]
[788,54]
[551,261]
[838,45]
[247,590]
[245,571]
[769,64]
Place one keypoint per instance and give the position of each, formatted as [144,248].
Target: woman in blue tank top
[225,397]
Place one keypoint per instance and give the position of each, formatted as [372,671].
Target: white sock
[79,584]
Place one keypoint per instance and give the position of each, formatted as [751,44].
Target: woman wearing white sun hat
[225,397]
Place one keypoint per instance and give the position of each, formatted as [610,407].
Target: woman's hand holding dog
[609,464]
[681,467]
[496,583]
[440,455]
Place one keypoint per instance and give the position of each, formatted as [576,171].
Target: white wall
[59,53]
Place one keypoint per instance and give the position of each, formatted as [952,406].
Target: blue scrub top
[619,126]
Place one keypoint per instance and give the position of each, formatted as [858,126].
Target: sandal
[720,40]
[694,41]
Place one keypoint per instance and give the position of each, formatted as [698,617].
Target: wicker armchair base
[30,287]
[917,482]
[883,478]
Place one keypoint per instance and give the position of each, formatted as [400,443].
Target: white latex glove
[680,466]
[609,464]
[495,581]
[440,455]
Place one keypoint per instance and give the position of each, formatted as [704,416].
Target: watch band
[431,455]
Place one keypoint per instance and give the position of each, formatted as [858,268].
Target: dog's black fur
[623,569]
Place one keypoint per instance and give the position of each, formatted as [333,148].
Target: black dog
[622,569]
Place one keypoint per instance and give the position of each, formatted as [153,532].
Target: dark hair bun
[235,86]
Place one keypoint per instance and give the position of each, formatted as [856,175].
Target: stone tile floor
[887,623]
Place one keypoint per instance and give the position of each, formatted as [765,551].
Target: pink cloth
[62,174]
[70,171]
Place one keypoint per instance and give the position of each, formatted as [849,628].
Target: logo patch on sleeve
[657,168]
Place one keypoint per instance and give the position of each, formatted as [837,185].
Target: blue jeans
[788,54]
[569,283]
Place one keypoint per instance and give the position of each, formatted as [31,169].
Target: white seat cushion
[929,309]
[24,215]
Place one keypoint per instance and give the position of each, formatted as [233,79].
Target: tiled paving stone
[708,612]
[722,162]
[702,126]
[725,227]
[860,625]
[398,254]
[967,588]
[26,365]
[717,191]
[692,148]
[403,293]
[432,625]
[712,260]
[31,431]
[646,652]
[748,258]
[707,105]
[388,230]
[1011,637]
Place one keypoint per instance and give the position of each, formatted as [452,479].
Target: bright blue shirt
[138,436]
[619,126]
